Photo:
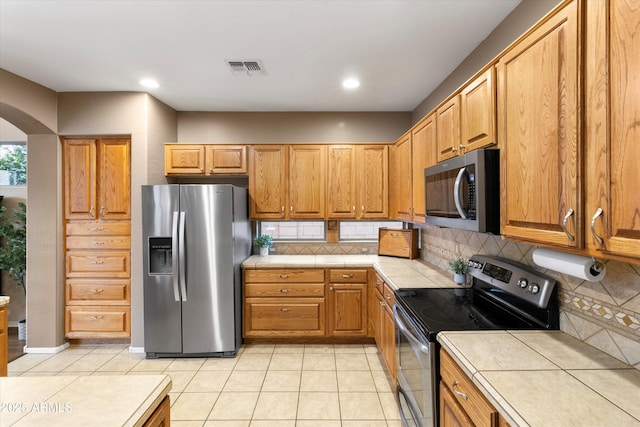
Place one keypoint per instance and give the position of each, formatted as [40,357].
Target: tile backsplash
[604,314]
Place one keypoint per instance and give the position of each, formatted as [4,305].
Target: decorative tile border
[614,317]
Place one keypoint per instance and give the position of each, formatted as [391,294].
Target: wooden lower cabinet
[384,326]
[161,417]
[461,402]
[305,303]
[347,302]
[4,342]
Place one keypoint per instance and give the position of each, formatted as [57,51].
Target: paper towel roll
[574,265]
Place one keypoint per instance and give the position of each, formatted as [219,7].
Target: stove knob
[523,283]
[534,289]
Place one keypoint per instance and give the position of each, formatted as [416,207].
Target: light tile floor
[266,385]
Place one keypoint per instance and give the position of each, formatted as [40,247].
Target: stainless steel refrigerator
[195,239]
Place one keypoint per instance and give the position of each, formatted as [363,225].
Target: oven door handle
[414,415]
[403,328]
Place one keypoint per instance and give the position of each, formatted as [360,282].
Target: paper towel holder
[597,267]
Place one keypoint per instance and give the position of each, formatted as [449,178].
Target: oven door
[416,373]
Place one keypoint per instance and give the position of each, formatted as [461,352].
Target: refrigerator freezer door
[162,313]
[208,312]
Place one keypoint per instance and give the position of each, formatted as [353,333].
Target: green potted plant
[13,250]
[264,242]
[459,266]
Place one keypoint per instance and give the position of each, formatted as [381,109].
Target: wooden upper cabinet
[612,73]
[184,159]
[342,194]
[114,185]
[538,126]
[79,158]
[373,181]
[307,181]
[357,181]
[448,128]
[226,159]
[97,178]
[401,177]
[268,182]
[424,148]
[478,112]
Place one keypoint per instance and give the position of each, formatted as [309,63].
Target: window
[293,230]
[13,164]
[364,230]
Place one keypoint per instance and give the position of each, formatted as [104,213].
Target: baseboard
[46,350]
[136,350]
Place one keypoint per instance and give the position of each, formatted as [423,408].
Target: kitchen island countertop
[397,272]
[547,378]
[81,400]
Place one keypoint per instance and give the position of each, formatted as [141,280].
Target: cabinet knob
[347,276]
[97,229]
[91,212]
[388,297]
[97,291]
[284,309]
[99,242]
[282,211]
[284,291]
[210,170]
[330,288]
[284,276]
[102,212]
[96,317]
[456,391]
[97,262]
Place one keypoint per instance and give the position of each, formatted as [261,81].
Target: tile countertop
[4,300]
[547,378]
[81,400]
[397,272]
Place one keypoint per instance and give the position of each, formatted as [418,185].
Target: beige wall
[289,127]
[31,107]
[513,26]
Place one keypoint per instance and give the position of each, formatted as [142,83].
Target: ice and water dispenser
[160,256]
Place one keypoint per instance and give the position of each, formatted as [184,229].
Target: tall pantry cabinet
[97,206]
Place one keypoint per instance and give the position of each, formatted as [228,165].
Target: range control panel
[515,278]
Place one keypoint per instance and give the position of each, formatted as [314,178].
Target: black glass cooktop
[458,309]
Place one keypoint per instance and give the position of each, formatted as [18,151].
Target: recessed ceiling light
[150,83]
[351,83]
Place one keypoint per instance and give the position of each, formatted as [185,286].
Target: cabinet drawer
[98,264]
[389,296]
[97,292]
[98,228]
[475,405]
[98,242]
[283,276]
[97,322]
[348,276]
[379,284]
[284,290]
[264,317]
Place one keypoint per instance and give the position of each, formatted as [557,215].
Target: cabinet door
[478,112]
[114,183]
[226,159]
[341,182]
[448,128]
[538,130]
[307,181]
[348,309]
[612,131]
[184,159]
[451,413]
[373,177]
[389,340]
[268,182]
[402,177]
[423,145]
[79,178]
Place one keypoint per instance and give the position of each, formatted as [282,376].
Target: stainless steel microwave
[464,192]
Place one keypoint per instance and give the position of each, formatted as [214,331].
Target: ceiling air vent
[246,67]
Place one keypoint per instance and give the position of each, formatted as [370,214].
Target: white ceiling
[400,49]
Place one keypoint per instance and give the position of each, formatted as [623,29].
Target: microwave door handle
[456,192]
[175,250]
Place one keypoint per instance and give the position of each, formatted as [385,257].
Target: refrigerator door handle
[174,255]
[183,286]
